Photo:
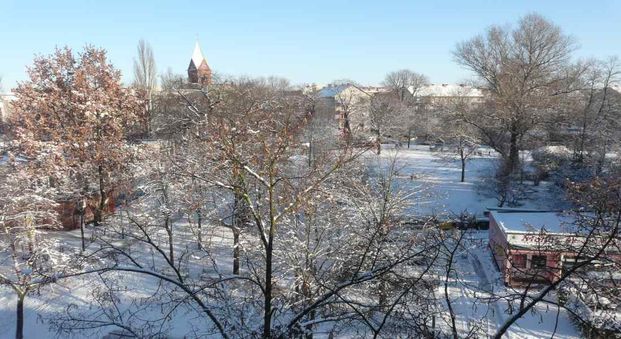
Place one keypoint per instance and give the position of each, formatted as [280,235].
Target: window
[519,260]
[538,261]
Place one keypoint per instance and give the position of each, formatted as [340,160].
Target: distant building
[5,113]
[437,94]
[199,71]
[349,103]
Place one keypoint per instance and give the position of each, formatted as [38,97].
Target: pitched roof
[447,90]
[197,56]
[332,90]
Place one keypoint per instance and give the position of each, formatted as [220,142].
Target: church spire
[198,70]
[197,55]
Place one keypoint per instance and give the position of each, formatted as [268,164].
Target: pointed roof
[197,55]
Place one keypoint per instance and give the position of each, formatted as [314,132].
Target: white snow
[446,90]
[435,177]
[439,191]
[197,55]
[534,222]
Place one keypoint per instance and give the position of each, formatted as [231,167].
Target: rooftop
[447,90]
[534,222]
[197,55]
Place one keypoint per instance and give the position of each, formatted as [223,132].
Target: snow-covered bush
[556,163]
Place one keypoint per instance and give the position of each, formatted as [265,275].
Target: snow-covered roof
[197,55]
[446,90]
[332,90]
[534,222]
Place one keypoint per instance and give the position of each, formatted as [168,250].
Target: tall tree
[145,76]
[78,106]
[526,71]
[598,118]
[405,83]
[385,113]
[460,136]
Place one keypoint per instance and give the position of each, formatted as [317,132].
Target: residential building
[439,94]
[5,99]
[349,104]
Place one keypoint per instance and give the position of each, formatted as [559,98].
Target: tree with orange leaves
[77,106]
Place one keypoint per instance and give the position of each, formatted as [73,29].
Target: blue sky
[310,41]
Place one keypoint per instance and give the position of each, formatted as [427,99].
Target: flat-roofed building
[531,246]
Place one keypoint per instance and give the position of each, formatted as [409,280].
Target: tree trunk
[267,305]
[579,153]
[239,219]
[514,152]
[235,250]
[98,217]
[171,247]
[310,150]
[409,137]
[347,129]
[199,222]
[19,326]
[82,229]
[463,167]
[378,141]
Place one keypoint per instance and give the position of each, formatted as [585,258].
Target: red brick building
[70,216]
[531,246]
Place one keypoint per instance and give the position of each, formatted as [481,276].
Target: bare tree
[526,72]
[145,76]
[315,244]
[385,113]
[405,83]
[598,119]
[460,136]
[595,240]
[321,130]
[30,258]
[170,81]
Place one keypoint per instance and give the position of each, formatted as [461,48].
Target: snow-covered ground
[52,300]
[440,192]
[436,177]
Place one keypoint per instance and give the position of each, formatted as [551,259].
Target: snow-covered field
[436,178]
[440,193]
[52,300]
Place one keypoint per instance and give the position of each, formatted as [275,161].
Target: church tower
[199,71]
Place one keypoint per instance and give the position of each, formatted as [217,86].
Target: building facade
[5,99]
[526,245]
[349,104]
